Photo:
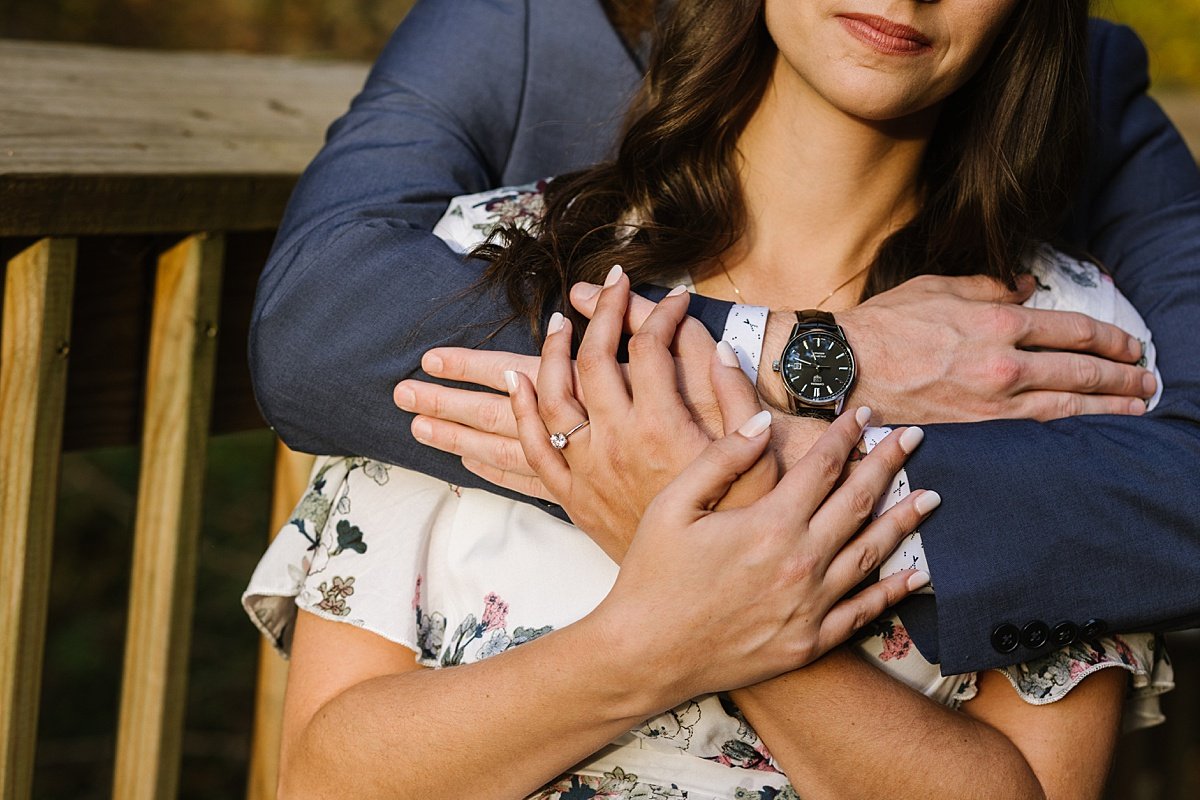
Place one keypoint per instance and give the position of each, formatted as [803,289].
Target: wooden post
[183,341]
[33,377]
[292,470]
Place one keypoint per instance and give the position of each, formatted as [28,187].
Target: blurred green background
[93,544]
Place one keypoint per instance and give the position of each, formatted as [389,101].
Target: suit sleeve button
[1093,628]
[1035,634]
[1064,633]
[1006,637]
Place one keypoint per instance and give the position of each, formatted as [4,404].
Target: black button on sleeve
[1006,637]
[1064,633]
[1093,628]
[1035,634]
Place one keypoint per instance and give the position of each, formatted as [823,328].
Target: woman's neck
[822,191]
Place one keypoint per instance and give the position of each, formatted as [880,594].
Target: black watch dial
[817,367]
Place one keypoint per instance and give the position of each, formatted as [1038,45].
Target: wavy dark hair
[996,179]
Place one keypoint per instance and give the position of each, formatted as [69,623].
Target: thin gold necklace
[836,289]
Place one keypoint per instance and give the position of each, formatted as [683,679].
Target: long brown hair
[996,179]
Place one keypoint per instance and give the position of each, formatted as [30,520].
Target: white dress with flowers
[458,575]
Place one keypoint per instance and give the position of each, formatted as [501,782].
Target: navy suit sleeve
[1090,518]
[468,95]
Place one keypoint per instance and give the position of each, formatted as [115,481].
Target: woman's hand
[712,600]
[638,433]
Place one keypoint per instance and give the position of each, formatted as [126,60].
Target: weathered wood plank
[178,400]
[39,283]
[108,140]
[291,479]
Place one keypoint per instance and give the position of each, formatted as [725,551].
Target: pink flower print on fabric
[417,594]
[495,612]
[896,643]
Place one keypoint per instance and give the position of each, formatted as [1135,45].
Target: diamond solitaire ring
[559,440]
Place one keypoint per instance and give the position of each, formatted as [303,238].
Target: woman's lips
[884,35]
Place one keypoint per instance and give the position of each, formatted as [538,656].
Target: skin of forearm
[839,726]
[498,728]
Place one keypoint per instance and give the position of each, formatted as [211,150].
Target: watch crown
[775,365]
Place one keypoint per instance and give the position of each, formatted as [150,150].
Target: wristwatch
[817,366]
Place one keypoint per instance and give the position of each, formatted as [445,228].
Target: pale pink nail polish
[614,275]
[678,290]
[510,380]
[910,439]
[928,501]
[726,354]
[917,580]
[862,416]
[756,424]
[555,324]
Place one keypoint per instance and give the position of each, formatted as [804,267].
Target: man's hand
[962,349]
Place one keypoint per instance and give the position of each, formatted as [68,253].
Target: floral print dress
[458,575]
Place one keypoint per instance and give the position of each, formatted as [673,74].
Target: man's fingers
[707,479]
[1044,406]
[861,557]
[850,614]
[736,396]
[502,452]
[1075,332]
[483,367]
[1083,374]
[980,287]
[528,485]
[484,411]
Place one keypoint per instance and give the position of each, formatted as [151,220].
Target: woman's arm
[842,728]
[687,616]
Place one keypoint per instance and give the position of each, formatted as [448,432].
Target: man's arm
[468,95]
[1087,518]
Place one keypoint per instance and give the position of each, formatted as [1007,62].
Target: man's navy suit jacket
[1083,520]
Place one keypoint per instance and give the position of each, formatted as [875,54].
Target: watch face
[817,368]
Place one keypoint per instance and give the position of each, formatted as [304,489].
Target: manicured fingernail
[862,416]
[422,429]
[910,439]
[510,380]
[1149,384]
[586,290]
[431,363]
[555,325]
[405,397]
[927,501]
[614,275]
[917,580]
[726,355]
[756,424]
[678,290]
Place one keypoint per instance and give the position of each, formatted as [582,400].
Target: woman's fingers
[708,477]
[546,462]
[848,615]
[483,411]
[736,396]
[861,556]
[528,485]
[851,504]
[482,367]
[585,295]
[804,487]
[652,376]
[556,399]
[600,376]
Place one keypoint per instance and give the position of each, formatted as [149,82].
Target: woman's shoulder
[471,219]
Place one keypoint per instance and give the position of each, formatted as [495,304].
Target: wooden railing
[176,169]
[138,196]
